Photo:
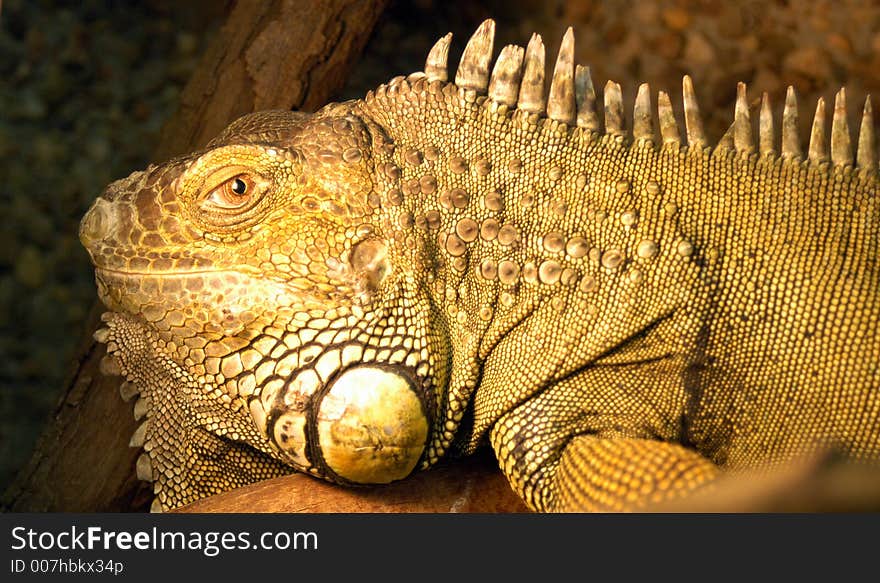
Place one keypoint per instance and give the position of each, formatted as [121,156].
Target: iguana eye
[234,193]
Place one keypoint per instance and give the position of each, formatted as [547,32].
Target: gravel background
[87,85]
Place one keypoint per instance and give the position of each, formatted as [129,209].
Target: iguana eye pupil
[232,192]
[239,186]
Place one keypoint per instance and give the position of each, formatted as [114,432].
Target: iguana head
[265,267]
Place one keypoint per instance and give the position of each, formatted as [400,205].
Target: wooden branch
[823,481]
[270,54]
[469,485]
[284,54]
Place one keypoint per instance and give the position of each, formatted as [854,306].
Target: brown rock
[766,80]
[698,51]
[676,18]
[839,43]
[809,61]
[669,45]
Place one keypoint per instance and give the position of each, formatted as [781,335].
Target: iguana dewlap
[624,315]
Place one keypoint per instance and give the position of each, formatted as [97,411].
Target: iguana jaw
[188,304]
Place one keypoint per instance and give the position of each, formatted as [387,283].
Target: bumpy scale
[358,292]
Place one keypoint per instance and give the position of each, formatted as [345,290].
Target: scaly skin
[404,276]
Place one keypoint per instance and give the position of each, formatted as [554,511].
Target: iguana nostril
[97,223]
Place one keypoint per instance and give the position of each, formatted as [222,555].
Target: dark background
[86,86]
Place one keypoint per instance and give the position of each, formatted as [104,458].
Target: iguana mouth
[175,274]
[227,299]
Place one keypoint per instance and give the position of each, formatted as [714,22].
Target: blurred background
[86,86]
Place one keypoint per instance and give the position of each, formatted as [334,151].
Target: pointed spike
[742,130]
[817,152]
[506,76]
[531,92]
[435,64]
[585,96]
[791,143]
[692,120]
[127,390]
[765,127]
[101,335]
[841,147]
[643,128]
[139,436]
[561,104]
[109,366]
[144,468]
[668,125]
[867,153]
[140,409]
[726,141]
[473,70]
[614,124]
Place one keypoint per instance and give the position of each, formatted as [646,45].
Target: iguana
[624,316]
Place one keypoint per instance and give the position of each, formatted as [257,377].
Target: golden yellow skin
[624,322]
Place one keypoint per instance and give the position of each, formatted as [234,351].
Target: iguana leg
[604,440]
[595,474]
[627,474]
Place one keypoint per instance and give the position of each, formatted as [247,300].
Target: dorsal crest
[516,80]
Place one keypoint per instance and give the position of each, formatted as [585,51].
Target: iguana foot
[627,474]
